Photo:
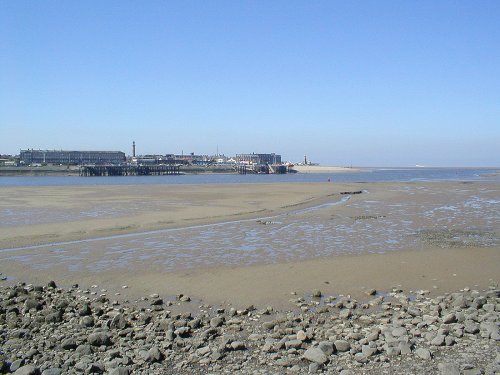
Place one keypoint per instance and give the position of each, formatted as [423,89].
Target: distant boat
[420,166]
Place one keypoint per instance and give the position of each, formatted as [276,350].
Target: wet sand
[451,250]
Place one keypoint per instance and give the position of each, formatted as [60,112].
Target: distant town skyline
[372,83]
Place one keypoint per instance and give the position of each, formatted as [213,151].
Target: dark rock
[84,350]
[54,317]
[119,322]
[99,338]
[30,304]
[238,345]
[52,284]
[327,347]
[69,344]
[95,368]
[85,310]
[152,355]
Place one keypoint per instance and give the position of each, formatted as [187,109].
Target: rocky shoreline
[49,330]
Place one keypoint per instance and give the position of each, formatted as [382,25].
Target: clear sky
[368,83]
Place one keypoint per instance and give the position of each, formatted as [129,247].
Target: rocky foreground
[48,330]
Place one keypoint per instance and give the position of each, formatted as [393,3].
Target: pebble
[52,331]
[315,355]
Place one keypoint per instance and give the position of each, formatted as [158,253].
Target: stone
[315,355]
[203,351]
[14,366]
[99,338]
[69,344]
[342,345]
[53,371]
[314,368]
[153,355]
[345,314]
[449,341]
[400,331]
[88,321]
[449,318]
[439,340]
[368,351]
[85,310]
[423,353]
[414,311]
[55,317]
[32,304]
[327,347]
[94,368]
[157,302]
[404,348]
[27,370]
[473,371]
[268,325]
[471,327]
[216,322]
[361,358]
[84,350]
[301,335]
[119,322]
[120,371]
[238,345]
[293,344]
[317,293]
[52,284]
[448,369]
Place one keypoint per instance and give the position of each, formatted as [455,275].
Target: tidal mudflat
[303,278]
[246,242]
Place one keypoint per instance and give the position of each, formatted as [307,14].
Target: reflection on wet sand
[413,217]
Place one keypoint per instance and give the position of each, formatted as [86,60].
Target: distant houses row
[31,157]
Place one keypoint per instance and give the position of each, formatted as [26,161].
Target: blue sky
[368,83]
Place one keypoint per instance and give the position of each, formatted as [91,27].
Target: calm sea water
[364,175]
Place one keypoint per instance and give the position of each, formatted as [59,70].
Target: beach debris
[267,222]
[367,217]
[317,293]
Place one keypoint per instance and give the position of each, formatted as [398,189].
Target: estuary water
[361,175]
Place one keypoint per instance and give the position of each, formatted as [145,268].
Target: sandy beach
[437,261]
[323,169]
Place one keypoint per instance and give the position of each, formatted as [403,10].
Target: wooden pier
[129,170]
[264,169]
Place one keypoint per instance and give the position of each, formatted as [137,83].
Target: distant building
[258,158]
[28,157]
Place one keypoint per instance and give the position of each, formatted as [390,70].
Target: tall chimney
[133,149]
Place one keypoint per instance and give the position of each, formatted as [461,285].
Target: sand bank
[37,215]
[323,169]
